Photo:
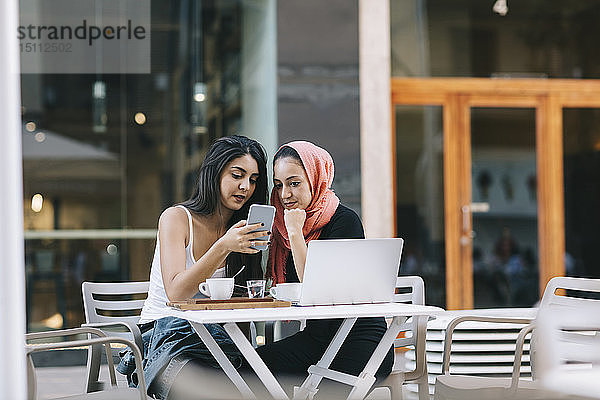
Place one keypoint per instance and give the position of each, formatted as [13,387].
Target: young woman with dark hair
[205,236]
[307,209]
[205,198]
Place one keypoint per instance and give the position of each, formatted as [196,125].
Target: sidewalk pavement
[53,382]
[56,382]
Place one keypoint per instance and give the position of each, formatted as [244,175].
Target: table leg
[309,386]
[223,361]
[257,364]
[367,376]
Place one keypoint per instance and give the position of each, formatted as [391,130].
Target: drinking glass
[256,288]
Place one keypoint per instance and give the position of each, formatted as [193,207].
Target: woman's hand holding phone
[241,239]
[261,213]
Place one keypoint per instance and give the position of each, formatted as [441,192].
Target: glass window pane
[505,243]
[111,151]
[420,196]
[582,191]
[550,38]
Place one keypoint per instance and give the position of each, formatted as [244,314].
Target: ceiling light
[199,94]
[500,7]
[40,137]
[37,201]
[30,126]
[140,118]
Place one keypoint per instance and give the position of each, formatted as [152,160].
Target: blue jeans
[169,343]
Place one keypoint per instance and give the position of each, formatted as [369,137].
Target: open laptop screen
[350,271]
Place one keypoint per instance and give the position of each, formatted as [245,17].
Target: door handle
[468,234]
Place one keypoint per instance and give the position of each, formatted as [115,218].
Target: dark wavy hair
[206,194]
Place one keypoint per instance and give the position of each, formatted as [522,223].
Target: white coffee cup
[217,288]
[287,291]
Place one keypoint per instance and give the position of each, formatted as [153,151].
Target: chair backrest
[568,356]
[411,290]
[118,304]
[564,295]
[415,284]
[570,293]
[115,301]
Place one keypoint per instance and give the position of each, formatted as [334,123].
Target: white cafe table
[361,384]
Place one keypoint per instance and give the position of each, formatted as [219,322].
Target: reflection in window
[537,39]
[420,198]
[104,154]
[582,191]
[505,243]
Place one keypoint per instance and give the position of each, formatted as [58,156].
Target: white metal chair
[478,348]
[411,291]
[114,392]
[111,306]
[450,386]
[116,305]
[568,356]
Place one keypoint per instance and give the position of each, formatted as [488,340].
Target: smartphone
[261,213]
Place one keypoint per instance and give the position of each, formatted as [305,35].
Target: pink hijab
[318,164]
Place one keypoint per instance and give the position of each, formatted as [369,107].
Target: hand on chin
[294,220]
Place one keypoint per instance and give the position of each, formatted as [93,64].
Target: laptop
[350,271]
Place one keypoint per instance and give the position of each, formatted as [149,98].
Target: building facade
[480,152]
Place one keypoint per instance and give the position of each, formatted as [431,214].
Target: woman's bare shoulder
[173,218]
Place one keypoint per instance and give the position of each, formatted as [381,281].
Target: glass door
[501,171]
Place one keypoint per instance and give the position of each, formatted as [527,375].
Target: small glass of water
[256,288]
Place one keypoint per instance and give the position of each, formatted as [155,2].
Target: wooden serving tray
[233,303]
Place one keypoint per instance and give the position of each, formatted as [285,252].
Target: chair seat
[113,394]
[465,387]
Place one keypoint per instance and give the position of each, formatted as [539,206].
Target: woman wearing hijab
[307,209]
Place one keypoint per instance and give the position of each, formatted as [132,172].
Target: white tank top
[155,306]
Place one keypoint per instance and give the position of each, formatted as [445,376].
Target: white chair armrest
[420,350]
[133,328]
[516,374]
[459,320]
[102,340]
[78,331]
[65,332]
